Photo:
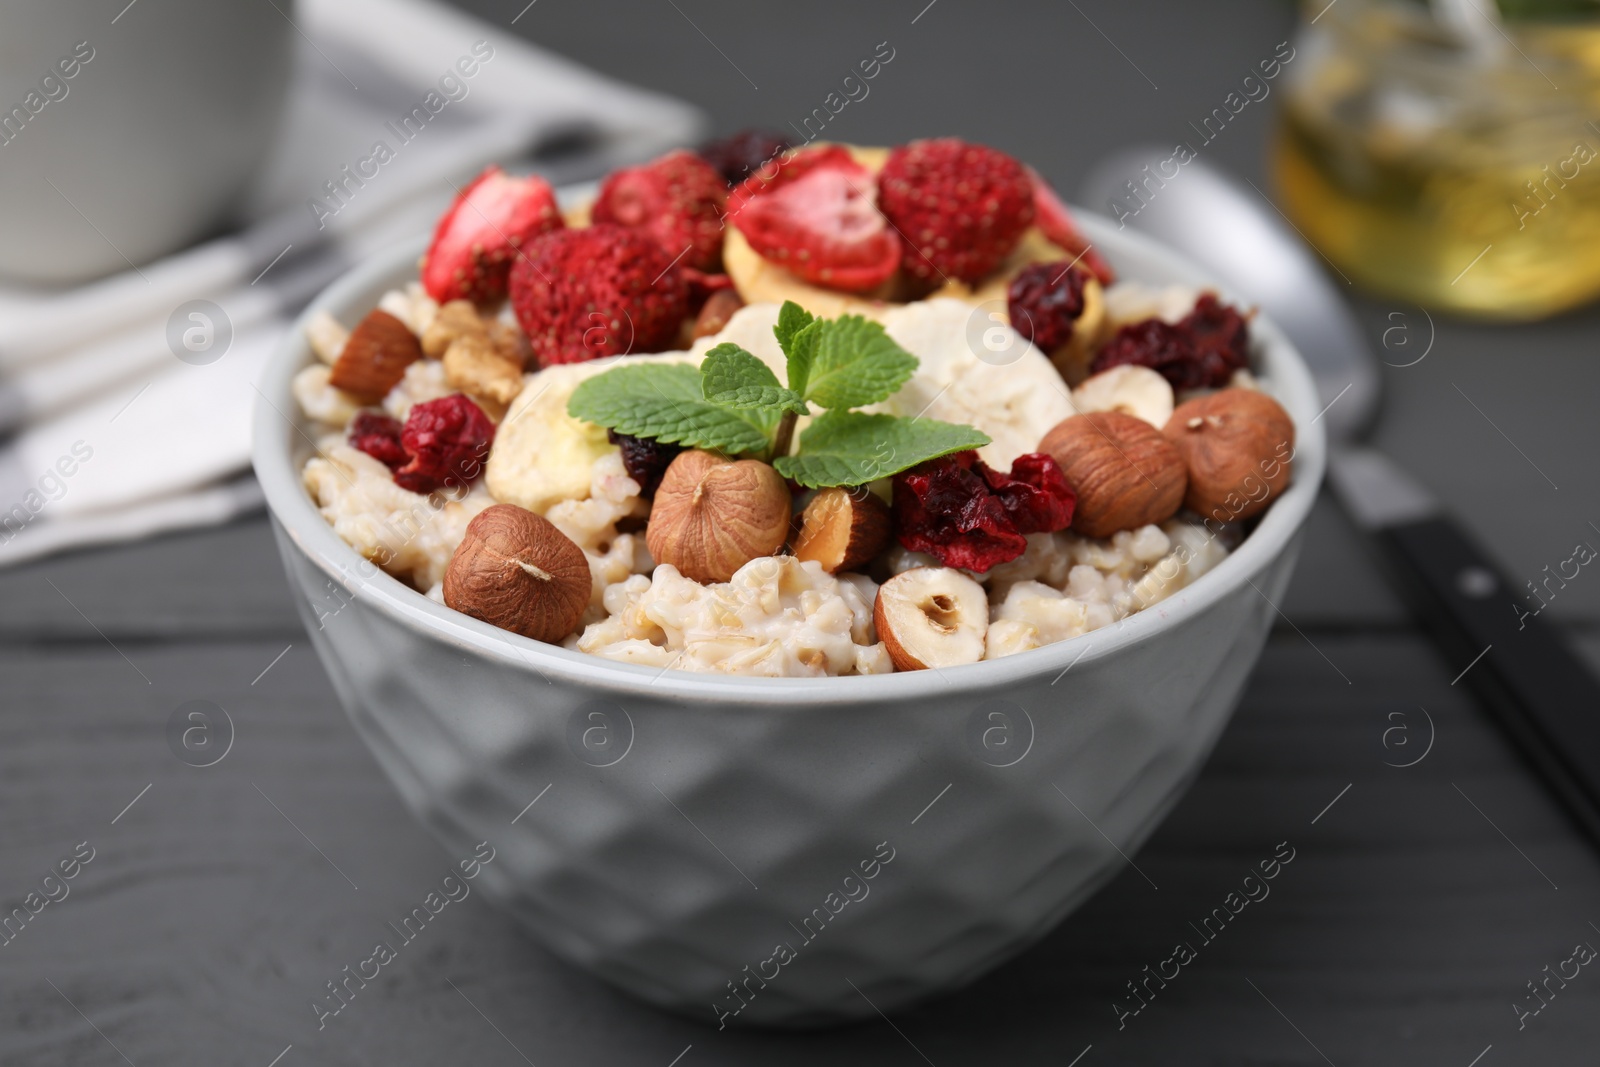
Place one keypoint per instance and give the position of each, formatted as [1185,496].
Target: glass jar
[1456,169]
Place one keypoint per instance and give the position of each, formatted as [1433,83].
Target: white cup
[125,136]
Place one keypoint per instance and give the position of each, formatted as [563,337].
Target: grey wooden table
[1421,901]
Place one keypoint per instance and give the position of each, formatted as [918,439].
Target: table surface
[1422,899]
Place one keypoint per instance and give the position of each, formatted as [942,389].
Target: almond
[515,570]
[375,357]
[843,529]
[1126,474]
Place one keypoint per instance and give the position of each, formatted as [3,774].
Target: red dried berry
[378,436]
[1221,338]
[1199,352]
[1044,301]
[741,155]
[481,232]
[448,441]
[966,514]
[960,208]
[645,460]
[1035,494]
[787,167]
[945,509]
[824,229]
[601,291]
[677,201]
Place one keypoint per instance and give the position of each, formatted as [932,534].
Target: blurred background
[162,164]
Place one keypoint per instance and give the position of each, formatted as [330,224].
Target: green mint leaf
[665,401]
[854,363]
[801,353]
[736,378]
[853,448]
[792,318]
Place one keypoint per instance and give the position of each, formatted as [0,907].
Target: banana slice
[1130,389]
[975,369]
[541,455]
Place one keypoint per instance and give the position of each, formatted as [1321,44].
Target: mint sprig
[733,403]
[853,448]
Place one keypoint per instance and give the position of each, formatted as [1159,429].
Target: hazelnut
[1126,474]
[931,617]
[716,312]
[842,529]
[515,570]
[1237,445]
[712,515]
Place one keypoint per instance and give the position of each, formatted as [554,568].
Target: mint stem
[780,445]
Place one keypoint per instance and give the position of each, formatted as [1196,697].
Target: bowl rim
[275,429]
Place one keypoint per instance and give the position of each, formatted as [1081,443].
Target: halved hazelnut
[1126,474]
[1238,445]
[515,570]
[375,357]
[712,515]
[842,529]
[931,617]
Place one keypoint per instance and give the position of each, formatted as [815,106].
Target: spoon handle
[1543,696]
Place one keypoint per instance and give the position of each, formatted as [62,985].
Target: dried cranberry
[944,509]
[448,440]
[966,514]
[1201,351]
[379,437]
[739,156]
[1044,301]
[1221,339]
[645,459]
[1035,494]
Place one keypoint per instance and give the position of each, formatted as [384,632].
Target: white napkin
[118,438]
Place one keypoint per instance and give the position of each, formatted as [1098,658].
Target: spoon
[1538,690]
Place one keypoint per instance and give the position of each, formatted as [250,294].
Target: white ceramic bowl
[687,826]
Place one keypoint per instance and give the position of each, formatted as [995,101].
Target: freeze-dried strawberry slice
[379,437]
[677,201]
[824,228]
[375,357]
[604,290]
[448,441]
[480,233]
[960,208]
[1055,222]
[787,167]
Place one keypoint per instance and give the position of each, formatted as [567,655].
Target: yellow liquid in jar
[1497,219]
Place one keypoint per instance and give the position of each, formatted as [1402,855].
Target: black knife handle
[1537,688]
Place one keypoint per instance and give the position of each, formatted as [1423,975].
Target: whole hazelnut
[1237,445]
[515,570]
[712,515]
[1126,474]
